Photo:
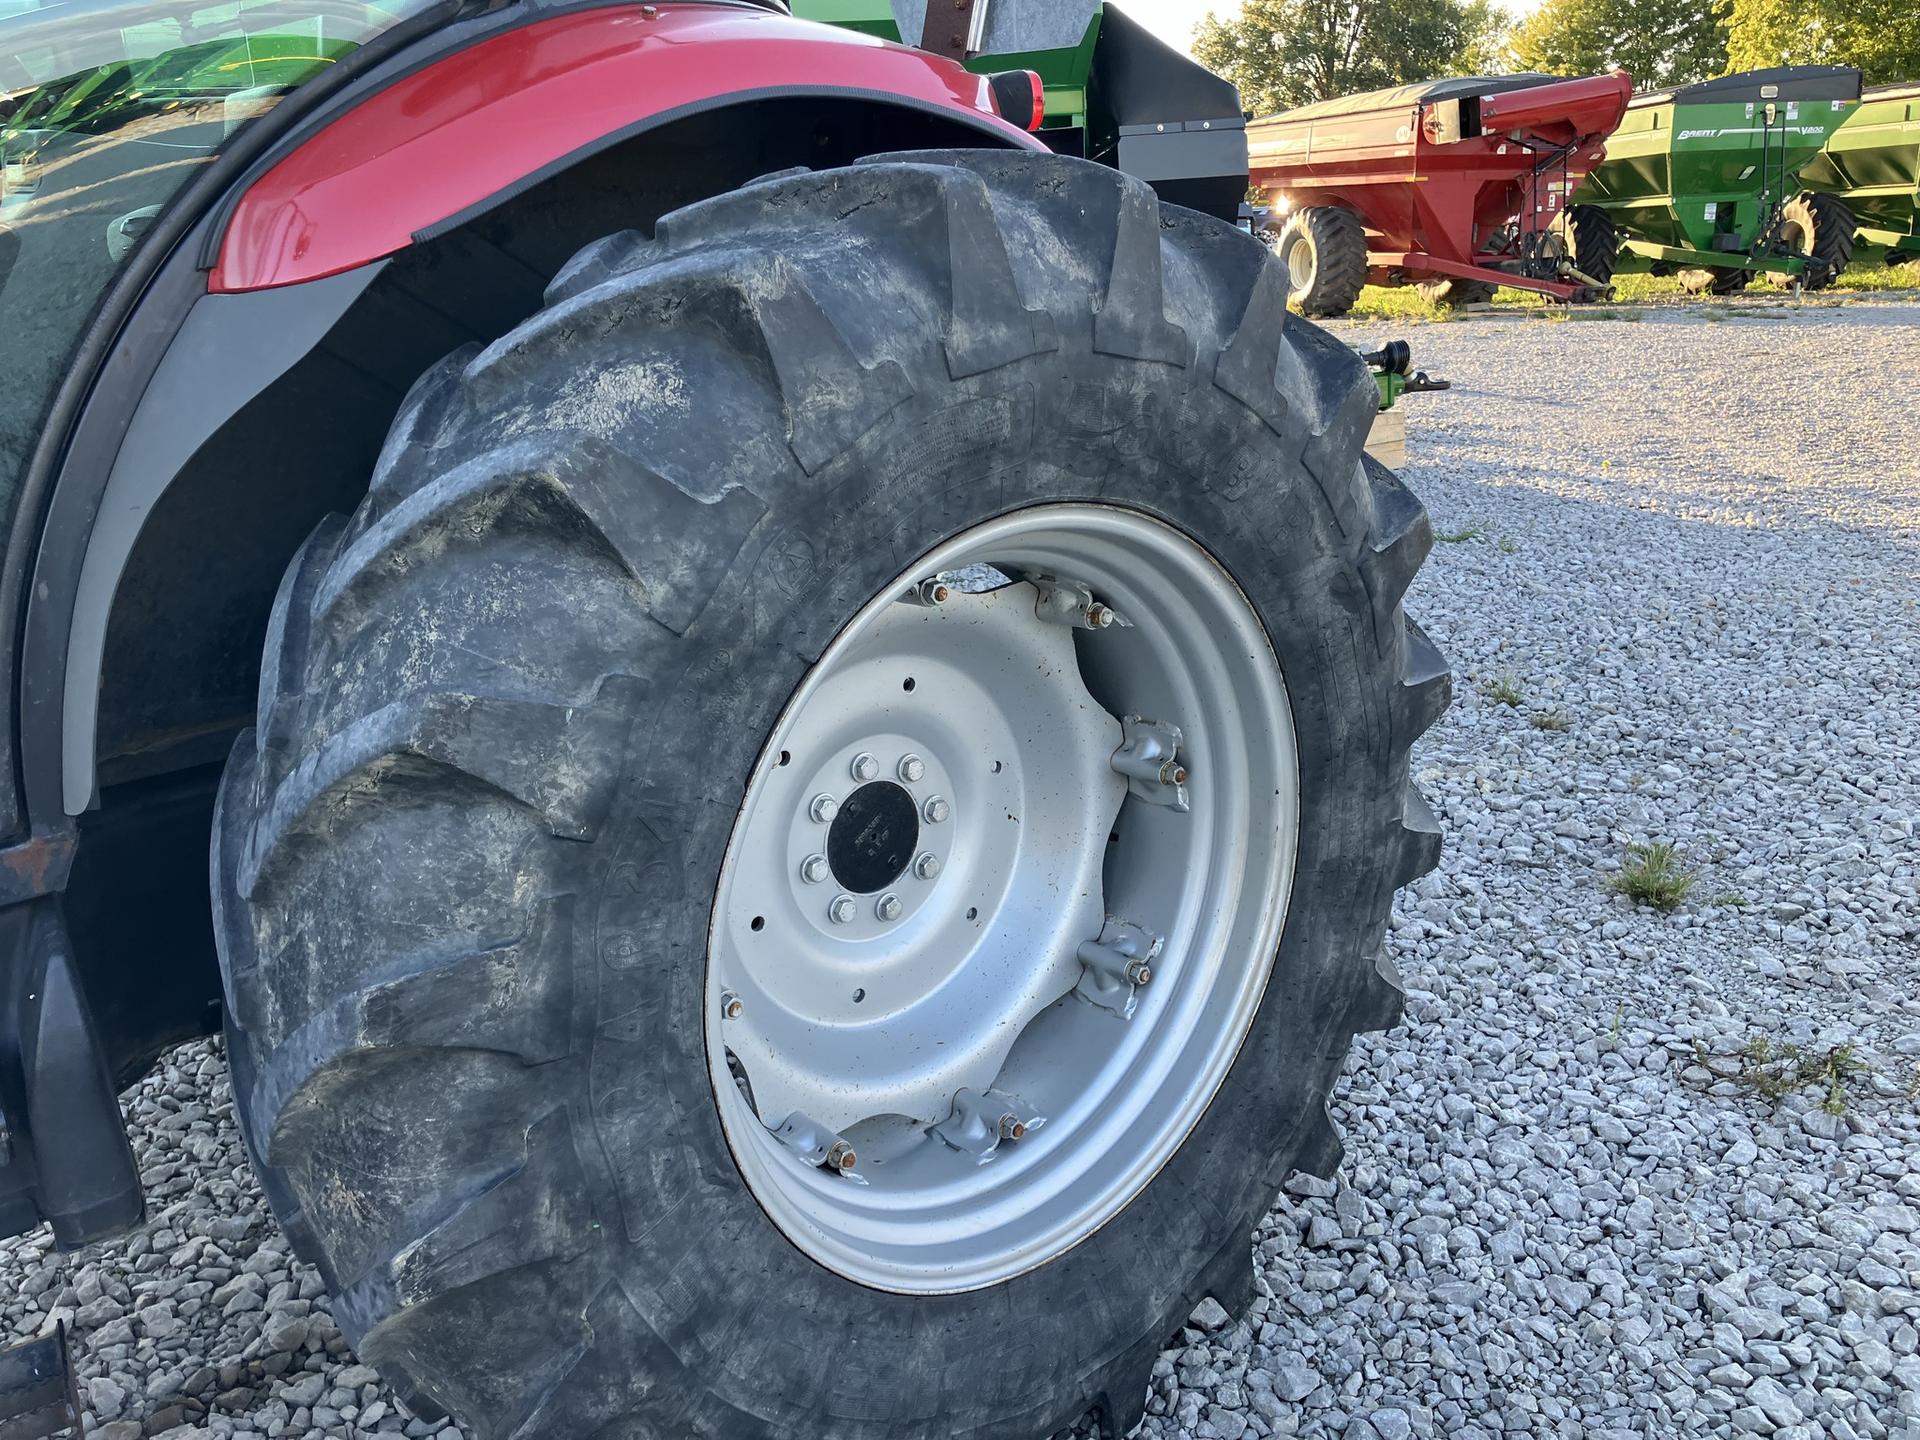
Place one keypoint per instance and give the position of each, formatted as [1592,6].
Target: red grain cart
[1457,185]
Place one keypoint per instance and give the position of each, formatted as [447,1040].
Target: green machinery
[1058,47]
[1873,164]
[1114,91]
[1706,180]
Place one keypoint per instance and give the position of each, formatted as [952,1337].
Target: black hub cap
[873,837]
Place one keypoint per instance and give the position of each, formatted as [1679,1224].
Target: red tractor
[796,707]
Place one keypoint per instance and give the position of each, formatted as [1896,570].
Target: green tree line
[1284,53]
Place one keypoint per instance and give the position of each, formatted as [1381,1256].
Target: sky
[1173,20]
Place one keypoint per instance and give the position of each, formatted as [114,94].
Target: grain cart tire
[1820,227]
[1325,251]
[722,692]
[1714,282]
[1592,240]
[1455,293]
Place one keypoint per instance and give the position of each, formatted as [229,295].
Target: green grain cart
[1873,164]
[1113,91]
[1705,181]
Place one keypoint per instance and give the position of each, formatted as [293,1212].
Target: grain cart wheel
[807,865]
[1820,227]
[1325,250]
[1714,282]
[1454,293]
[1588,234]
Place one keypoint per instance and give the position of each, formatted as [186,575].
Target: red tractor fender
[484,121]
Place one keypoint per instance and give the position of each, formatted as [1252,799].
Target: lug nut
[1099,617]
[927,866]
[864,766]
[912,769]
[888,907]
[1173,773]
[1139,972]
[1012,1127]
[936,810]
[730,1006]
[842,910]
[840,1156]
[814,869]
[824,808]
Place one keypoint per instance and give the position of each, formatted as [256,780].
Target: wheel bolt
[1099,617]
[1139,972]
[864,766]
[936,810]
[927,866]
[888,907]
[840,1156]
[814,869]
[731,1007]
[1173,773]
[912,768]
[824,808]
[1012,1127]
[842,910]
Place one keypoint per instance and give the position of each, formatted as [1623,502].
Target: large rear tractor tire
[1325,251]
[1593,243]
[1452,294]
[1820,227]
[814,849]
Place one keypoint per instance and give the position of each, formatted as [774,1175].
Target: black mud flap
[37,1393]
[64,1155]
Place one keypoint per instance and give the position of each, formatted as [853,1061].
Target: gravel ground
[1573,1205]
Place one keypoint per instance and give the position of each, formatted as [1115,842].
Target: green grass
[1473,530]
[1503,690]
[1652,875]
[1549,720]
[1404,303]
[1869,276]
[1774,1072]
[1399,302]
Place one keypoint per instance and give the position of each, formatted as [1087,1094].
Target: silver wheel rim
[941,1080]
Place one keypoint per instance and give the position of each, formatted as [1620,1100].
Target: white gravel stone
[1565,1211]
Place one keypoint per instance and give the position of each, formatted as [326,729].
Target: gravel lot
[1569,1209]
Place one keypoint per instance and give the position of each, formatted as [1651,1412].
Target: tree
[1881,37]
[1658,42]
[1283,53]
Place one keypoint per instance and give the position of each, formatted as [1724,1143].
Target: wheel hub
[874,837]
[1004,887]
[939,913]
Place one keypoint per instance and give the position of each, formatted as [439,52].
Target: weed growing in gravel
[1473,530]
[1506,546]
[1503,691]
[1652,875]
[1549,720]
[1774,1072]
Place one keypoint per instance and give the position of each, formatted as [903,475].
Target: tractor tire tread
[451,1011]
